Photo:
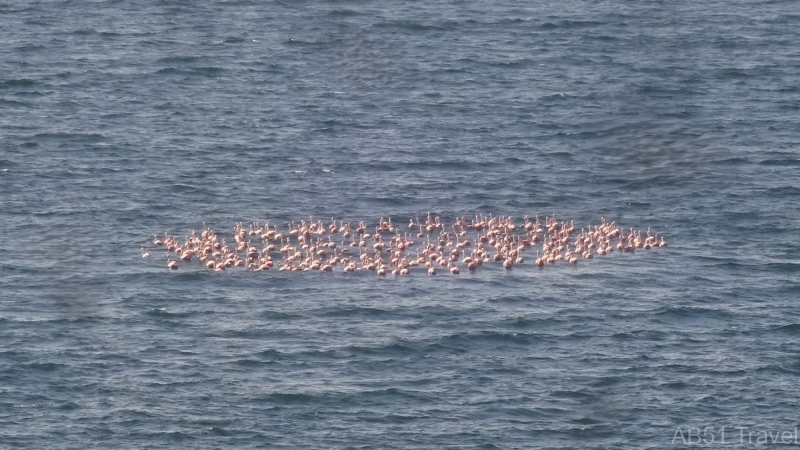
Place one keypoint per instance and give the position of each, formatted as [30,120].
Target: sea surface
[124,119]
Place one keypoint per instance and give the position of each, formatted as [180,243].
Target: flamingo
[444,246]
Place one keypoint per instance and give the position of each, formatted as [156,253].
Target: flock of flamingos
[430,244]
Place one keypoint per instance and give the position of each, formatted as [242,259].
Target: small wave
[394,393]
[194,71]
[571,394]
[181,188]
[673,385]
[391,201]
[534,323]
[782,267]
[605,38]
[513,64]
[178,59]
[251,362]
[778,369]
[692,316]
[781,162]
[607,381]
[217,431]
[14,103]
[45,367]
[409,26]
[293,41]
[74,320]
[791,329]
[396,348]
[290,398]
[81,137]
[30,48]
[737,73]
[357,312]
[439,348]
[501,337]
[69,406]
[340,123]
[392,419]
[784,190]
[587,421]
[733,161]
[174,436]
[278,315]
[344,13]
[18,82]
[527,413]
[162,312]
[446,165]
[509,298]
[273,355]
[570,24]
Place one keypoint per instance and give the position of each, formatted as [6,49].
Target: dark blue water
[120,120]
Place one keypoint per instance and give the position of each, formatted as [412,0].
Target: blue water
[120,120]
